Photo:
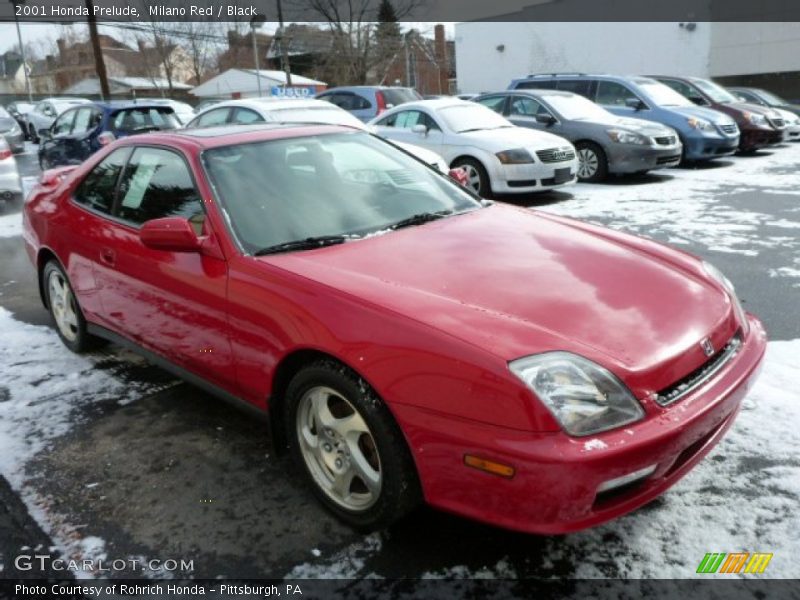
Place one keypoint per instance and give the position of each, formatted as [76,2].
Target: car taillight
[379,98]
[106,138]
[4,154]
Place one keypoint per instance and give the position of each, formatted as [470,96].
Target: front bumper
[627,158]
[534,177]
[791,133]
[555,487]
[704,147]
[753,139]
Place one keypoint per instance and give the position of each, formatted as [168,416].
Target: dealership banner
[148,11]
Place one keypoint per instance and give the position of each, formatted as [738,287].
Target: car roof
[126,104]
[226,135]
[271,103]
[530,91]
[434,103]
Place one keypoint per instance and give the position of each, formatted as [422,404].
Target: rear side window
[218,116]
[536,84]
[576,86]
[157,183]
[348,101]
[96,191]
[136,120]
[611,93]
[243,116]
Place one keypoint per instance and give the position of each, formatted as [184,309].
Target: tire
[33,134]
[65,311]
[359,466]
[592,162]
[478,178]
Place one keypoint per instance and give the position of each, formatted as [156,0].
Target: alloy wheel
[62,304]
[588,163]
[339,449]
[473,177]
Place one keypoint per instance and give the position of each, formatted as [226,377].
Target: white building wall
[750,48]
[531,47]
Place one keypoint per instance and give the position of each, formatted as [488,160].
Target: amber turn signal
[489,466]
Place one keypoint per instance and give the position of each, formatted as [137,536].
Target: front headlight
[720,278]
[627,137]
[700,124]
[757,120]
[583,396]
[517,156]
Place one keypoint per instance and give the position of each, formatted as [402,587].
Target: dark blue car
[79,132]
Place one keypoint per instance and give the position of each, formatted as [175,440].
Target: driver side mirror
[545,119]
[173,234]
[420,129]
[46,133]
[698,100]
[635,104]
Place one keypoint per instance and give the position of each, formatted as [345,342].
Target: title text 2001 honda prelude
[408,342]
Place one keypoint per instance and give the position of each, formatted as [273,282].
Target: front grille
[555,155]
[665,160]
[777,123]
[666,140]
[699,376]
[729,128]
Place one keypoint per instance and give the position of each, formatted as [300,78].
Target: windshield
[471,117]
[331,115]
[134,120]
[771,98]
[663,95]
[344,184]
[577,108]
[715,92]
[398,96]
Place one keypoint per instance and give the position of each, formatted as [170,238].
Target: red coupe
[408,341]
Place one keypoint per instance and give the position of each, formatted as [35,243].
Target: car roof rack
[557,74]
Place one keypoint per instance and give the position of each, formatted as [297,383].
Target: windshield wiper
[309,243]
[421,218]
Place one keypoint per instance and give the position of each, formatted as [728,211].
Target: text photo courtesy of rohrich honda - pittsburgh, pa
[399,299]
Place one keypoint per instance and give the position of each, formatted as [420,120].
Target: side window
[535,84]
[430,123]
[408,118]
[359,103]
[576,86]
[218,116]
[85,120]
[157,183]
[243,116]
[496,103]
[749,97]
[523,106]
[63,124]
[611,93]
[96,191]
[388,121]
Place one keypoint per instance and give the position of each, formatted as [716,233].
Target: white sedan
[498,156]
[294,110]
[791,131]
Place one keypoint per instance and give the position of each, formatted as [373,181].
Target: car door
[54,148]
[172,303]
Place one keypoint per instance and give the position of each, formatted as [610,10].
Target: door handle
[107,256]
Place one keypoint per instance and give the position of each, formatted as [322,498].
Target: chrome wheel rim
[588,163]
[473,177]
[62,305]
[339,449]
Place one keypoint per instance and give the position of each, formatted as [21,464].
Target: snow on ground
[10,225]
[45,391]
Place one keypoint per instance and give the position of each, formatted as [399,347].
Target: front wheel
[592,162]
[346,442]
[477,177]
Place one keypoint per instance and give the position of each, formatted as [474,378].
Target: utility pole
[99,63]
[22,51]
[282,45]
[255,23]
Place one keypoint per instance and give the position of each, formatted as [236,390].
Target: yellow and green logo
[735,562]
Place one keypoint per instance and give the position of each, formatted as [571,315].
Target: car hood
[767,111]
[514,283]
[496,140]
[701,112]
[641,126]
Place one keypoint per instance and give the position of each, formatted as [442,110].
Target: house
[12,73]
[425,64]
[244,83]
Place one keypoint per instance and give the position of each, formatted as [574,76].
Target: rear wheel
[592,162]
[346,442]
[64,308]
[477,177]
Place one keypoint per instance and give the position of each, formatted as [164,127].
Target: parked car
[705,134]
[183,111]
[293,110]
[791,133]
[46,111]
[764,98]
[367,102]
[20,110]
[605,142]
[10,183]
[328,280]
[11,131]
[82,130]
[498,156]
[205,103]
[760,126]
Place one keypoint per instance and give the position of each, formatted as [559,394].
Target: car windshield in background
[62,105]
[472,117]
[663,95]
[772,98]
[578,108]
[715,92]
[138,120]
[344,184]
[316,114]
[397,96]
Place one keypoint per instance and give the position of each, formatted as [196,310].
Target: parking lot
[107,456]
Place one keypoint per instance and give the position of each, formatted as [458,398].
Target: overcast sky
[32,32]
